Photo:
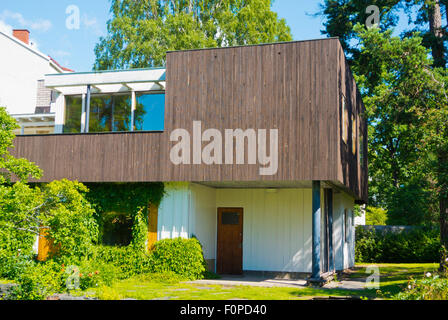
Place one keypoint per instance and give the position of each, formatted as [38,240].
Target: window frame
[345,119]
[346,225]
[133,97]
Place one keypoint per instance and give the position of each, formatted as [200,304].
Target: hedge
[421,245]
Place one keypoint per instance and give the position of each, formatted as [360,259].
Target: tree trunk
[443,202]
[435,27]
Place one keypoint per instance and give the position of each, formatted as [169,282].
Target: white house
[119,127]
[22,90]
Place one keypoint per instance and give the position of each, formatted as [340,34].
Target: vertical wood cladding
[293,87]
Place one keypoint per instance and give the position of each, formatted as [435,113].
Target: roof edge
[256,45]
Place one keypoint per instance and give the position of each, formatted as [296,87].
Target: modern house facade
[262,150]
[22,90]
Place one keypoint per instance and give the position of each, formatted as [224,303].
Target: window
[110,113]
[345,120]
[347,225]
[354,134]
[231,218]
[150,112]
[113,113]
[73,109]
[361,145]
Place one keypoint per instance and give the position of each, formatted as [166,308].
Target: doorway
[230,241]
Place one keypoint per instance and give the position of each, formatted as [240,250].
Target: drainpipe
[316,275]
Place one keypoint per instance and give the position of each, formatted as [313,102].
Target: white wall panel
[203,218]
[277,227]
[344,251]
[174,212]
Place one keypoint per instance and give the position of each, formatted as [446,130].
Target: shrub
[13,265]
[431,287]
[418,245]
[70,218]
[181,256]
[93,274]
[376,216]
[39,281]
[129,261]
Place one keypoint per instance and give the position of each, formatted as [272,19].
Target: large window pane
[110,113]
[73,109]
[150,112]
[122,113]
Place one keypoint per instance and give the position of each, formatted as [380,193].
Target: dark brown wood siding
[351,172]
[293,87]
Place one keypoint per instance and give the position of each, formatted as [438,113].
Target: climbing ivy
[127,197]
[131,198]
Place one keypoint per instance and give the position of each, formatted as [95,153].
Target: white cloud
[5,28]
[42,25]
[92,23]
[89,22]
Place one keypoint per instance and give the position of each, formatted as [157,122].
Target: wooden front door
[230,241]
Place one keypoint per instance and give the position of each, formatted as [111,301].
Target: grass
[393,277]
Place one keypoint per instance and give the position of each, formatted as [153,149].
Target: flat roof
[149,79]
[256,45]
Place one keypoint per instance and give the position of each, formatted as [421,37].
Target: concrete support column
[83,113]
[330,229]
[133,107]
[87,108]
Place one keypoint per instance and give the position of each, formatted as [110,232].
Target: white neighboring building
[361,220]
[22,91]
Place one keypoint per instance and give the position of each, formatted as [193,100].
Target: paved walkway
[252,281]
[347,284]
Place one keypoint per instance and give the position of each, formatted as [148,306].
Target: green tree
[25,211]
[342,15]
[376,216]
[140,32]
[428,143]
[69,218]
[10,165]
[426,15]
[16,200]
[402,90]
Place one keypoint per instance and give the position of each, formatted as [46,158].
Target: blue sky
[74,48]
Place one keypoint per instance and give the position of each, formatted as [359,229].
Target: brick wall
[43,100]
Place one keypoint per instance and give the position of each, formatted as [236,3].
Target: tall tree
[342,15]
[428,22]
[140,32]
[404,153]
[10,165]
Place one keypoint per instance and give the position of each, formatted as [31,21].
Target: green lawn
[393,277]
